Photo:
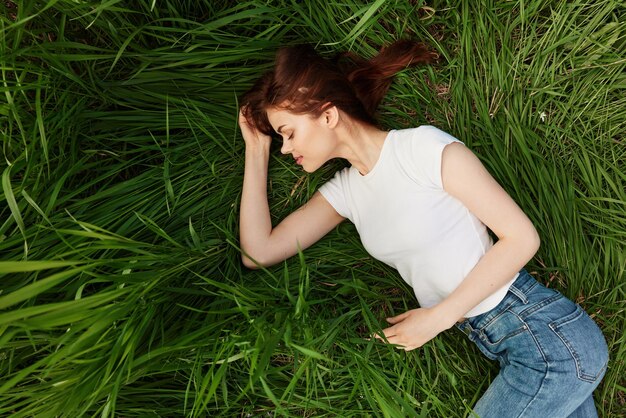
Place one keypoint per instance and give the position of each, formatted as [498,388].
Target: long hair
[303,82]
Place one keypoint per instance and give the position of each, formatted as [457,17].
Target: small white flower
[542,116]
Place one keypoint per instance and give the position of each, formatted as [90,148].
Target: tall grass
[122,291]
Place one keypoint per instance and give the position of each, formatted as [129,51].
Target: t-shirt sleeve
[334,191]
[425,152]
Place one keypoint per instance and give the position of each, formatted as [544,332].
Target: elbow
[534,242]
[249,257]
[537,241]
[525,243]
[251,263]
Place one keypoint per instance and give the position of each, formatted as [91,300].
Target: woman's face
[311,141]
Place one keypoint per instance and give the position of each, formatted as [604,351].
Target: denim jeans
[552,355]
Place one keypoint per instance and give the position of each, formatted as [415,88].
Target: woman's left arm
[465,178]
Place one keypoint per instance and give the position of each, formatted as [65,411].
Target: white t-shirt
[407,220]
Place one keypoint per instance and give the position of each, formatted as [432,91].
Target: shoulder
[337,182]
[426,133]
[341,174]
[418,153]
[334,191]
[466,178]
[422,142]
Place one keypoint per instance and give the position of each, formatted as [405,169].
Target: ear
[330,116]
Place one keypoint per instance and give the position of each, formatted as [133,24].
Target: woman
[421,202]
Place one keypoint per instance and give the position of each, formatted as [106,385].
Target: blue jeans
[552,354]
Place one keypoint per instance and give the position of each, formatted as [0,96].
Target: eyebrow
[280,128]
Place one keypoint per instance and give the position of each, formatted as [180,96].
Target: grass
[122,289]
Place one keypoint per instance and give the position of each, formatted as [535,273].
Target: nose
[286,147]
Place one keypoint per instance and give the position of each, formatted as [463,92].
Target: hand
[251,135]
[413,328]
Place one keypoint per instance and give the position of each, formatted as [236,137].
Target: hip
[539,327]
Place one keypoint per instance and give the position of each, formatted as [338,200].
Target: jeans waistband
[518,289]
[523,283]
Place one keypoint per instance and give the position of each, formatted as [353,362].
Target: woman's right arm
[304,227]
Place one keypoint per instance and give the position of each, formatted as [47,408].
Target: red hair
[304,82]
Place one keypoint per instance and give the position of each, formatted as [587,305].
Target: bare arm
[259,242]
[465,178]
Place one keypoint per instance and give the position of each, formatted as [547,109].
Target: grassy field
[121,287]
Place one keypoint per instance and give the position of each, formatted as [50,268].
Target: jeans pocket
[585,342]
[504,326]
[508,337]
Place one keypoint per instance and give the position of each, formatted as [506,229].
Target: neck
[360,144]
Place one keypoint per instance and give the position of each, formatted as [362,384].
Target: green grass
[122,292]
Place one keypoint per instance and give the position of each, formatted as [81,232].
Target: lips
[299,160]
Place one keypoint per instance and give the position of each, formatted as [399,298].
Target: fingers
[243,119]
[387,332]
[396,340]
[386,337]
[251,135]
[390,336]
[398,318]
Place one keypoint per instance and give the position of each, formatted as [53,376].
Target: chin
[309,169]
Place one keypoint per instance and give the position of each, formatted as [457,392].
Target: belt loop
[520,295]
[467,328]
